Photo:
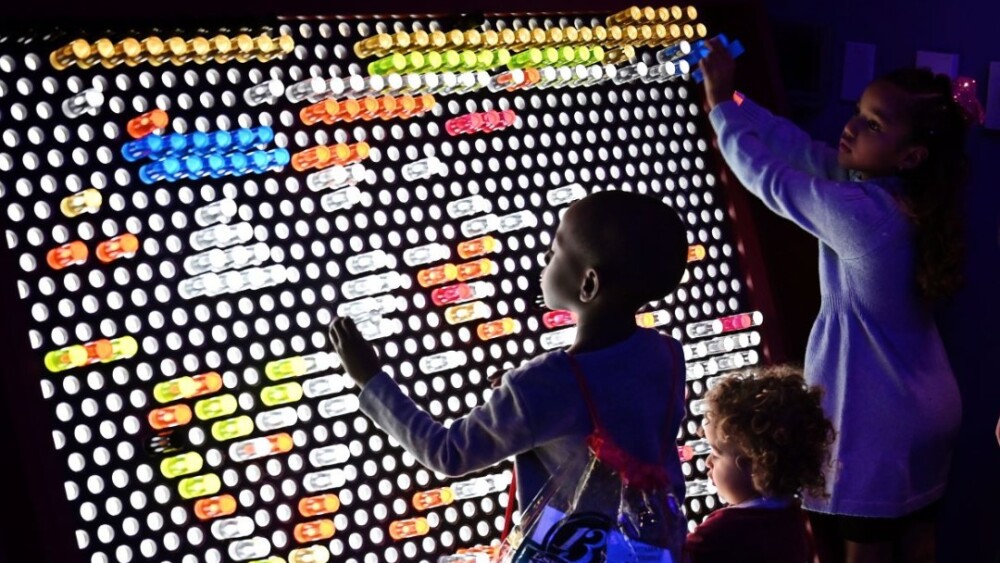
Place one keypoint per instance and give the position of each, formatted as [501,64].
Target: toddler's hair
[776,420]
[636,242]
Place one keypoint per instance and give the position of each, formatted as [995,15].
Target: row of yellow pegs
[370,107]
[177,50]
[653,33]
[636,15]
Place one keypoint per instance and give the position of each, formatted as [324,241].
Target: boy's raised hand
[718,68]
[357,355]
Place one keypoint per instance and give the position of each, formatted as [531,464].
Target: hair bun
[963,91]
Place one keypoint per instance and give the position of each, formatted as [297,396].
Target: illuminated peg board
[210,333]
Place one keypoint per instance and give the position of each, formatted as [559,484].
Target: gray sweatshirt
[539,416]
[874,348]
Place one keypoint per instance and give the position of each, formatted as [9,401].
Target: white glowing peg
[367,262]
[323,385]
[254,448]
[424,168]
[565,194]
[230,528]
[277,418]
[506,80]
[264,93]
[329,455]
[481,225]
[468,206]
[443,361]
[367,307]
[480,486]
[198,286]
[216,212]
[254,278]
[517,220]
[700,488]
[629,73]
[425,254]
[324,480]
[252,548]
[308,88]
[373,328]
[216,260]
[338,406]
[557,338]
[547,75]
[336,87]
[218,236]
[319,361]
[87,101]
[336,177]
[432,81]
[371,285]
[340,199]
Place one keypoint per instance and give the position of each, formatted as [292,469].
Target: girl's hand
[357,355]
[718,68]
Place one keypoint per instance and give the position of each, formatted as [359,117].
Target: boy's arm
[787,141]
[490,433]
[843,215]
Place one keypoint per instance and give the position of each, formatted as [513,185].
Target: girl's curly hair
[778,423]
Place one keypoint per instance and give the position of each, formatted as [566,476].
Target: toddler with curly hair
[770,442]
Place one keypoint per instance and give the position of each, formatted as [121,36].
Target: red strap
[585,391]
[508,516]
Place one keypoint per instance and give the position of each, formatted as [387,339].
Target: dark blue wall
[970,528]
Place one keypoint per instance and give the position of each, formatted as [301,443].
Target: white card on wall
[940,63]
[993,97]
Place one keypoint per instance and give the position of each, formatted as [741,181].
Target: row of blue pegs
[172,168]
[698,50]
[199,143]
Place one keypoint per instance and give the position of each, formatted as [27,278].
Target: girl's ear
[590,286]
[912,157]
[744,464]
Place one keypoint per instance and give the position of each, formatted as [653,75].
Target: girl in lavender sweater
[884,209]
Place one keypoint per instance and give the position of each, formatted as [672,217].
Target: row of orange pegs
[75,253]
[367,108]
[324,156]
[635,34]
[177,50]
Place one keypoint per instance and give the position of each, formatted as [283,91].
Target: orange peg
[402,529]
[320,111]
[69,254]
[437,275]
[168,417]
[205,384]
[122,246]
[309,158]
[477,269]
[213,507]
[477,247]
[696,252]
[321,504]
[139,127]
[386,107]
[349,110]
[405,106]
[433,498]
[497,328]
[99,350]
[369,107]
[359,152]
[314,531]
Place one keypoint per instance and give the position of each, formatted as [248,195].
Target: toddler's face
[733,481]
[874,141]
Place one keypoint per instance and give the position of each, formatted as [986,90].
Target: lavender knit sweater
[874,347]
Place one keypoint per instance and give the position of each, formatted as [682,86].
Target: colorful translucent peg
[497,328]
[84,201]
[169,417]
[199,486]
[320,504]
[477,247]
[213,507]
[437,275]
[66,358]
[558,318]
[433,498]
[316,530]
[402,529]
[183,464]
[310,158]
[69,254]
[139,127]
[476,269]
[122,246]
